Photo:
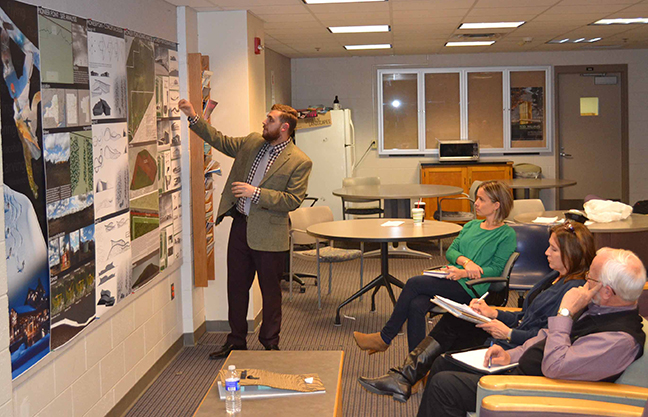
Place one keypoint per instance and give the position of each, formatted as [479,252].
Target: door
[591,134]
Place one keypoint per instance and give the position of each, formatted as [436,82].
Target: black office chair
[498,291]
[532,266]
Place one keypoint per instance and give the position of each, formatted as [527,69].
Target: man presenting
[269,178]
[596,335]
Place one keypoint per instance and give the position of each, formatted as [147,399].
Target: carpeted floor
[183,384]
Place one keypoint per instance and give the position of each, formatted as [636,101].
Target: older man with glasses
[597,323]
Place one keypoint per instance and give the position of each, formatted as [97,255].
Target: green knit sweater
[490,249]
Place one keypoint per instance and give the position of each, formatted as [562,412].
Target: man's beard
[271,136]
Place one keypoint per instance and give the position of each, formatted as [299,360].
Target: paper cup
[418,215]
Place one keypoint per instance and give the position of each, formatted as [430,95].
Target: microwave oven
[458,150]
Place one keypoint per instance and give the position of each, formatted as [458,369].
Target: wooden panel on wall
[201,270]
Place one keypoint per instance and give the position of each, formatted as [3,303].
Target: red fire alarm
[257,46]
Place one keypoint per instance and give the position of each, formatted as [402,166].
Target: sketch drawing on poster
[113,261]
[23,188]
[110,145]
[140,72]
[107,63]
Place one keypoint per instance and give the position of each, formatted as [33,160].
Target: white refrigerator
[332,150]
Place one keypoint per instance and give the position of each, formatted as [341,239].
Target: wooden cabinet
[461,176]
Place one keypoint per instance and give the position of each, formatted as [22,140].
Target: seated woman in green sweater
[481,250]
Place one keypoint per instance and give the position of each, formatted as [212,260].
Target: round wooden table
[537,184]
[631,233]
[397,196]
[397,202]
[371,230]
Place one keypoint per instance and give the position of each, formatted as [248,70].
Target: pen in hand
[490,359]
[483,296]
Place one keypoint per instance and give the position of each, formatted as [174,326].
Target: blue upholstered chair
[532,265]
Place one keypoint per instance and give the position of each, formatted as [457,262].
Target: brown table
[631,233]
[397,202]
[327,364]
[537,184]
[370,230]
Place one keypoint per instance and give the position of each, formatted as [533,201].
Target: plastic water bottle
[232,391]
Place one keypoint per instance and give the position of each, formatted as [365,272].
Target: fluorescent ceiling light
[472,43]
[621,21]
[375,46]
[338,1]
[359,29]
[578,40]
[491,25]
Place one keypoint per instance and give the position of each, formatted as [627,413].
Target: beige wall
[238,85]
[317,80]
[277,68]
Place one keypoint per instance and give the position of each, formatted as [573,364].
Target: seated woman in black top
[570,253]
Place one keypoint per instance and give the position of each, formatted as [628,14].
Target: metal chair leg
[319,286]
[290,271]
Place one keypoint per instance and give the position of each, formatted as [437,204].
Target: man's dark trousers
[242,264]
[451,391]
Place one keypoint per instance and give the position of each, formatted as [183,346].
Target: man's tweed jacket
[282,189]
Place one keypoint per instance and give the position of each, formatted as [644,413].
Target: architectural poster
[107,60]
[67,151]
[142,154]
[24,187]
[167,95]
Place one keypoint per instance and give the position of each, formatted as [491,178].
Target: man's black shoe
[272,347]
[225,350]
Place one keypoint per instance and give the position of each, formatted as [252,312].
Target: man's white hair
[624,272]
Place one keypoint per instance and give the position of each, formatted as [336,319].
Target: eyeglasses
[588,277]
[569,227]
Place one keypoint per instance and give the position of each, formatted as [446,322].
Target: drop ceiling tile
[446,6]
[515,3]
[264,10]
[434,16]
[639,7]
[503,13]
[274,18]
[348,8]
[244,4]
[597,2]
[582,18]
[302,24]
[338,19]
[603,9]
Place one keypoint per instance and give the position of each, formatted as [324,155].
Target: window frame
[463,97]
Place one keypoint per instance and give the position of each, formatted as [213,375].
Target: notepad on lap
[461,311]
[474,361]
[435,273]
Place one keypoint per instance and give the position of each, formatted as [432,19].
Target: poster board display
[90,163]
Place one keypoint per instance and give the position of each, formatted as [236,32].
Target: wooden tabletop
[397,191]
[326,364]
[370,230]
[634,223]
[538,184]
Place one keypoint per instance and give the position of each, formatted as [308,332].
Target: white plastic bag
[606,211]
